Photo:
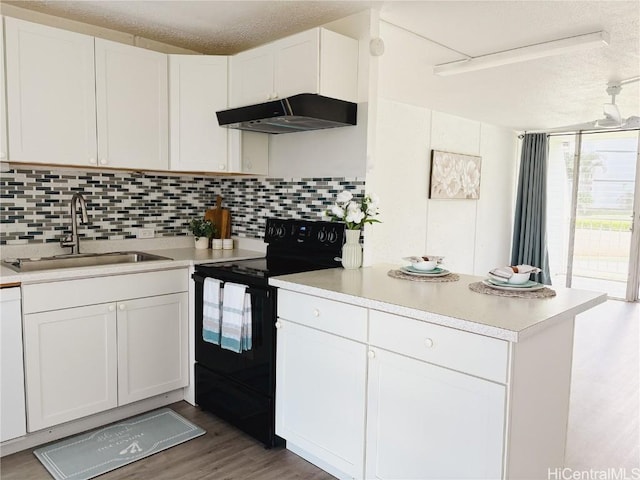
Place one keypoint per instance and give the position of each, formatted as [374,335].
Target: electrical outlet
[145,233]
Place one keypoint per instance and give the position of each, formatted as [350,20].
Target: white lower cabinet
[13,419]
[70,364]
[152,346]
[427,401]
[84,359]
[320,406]
[428,422]
[321,391]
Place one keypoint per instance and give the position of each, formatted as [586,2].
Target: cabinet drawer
[328,315]
[41,297]
[467,352]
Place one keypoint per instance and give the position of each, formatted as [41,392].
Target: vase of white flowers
[355,214]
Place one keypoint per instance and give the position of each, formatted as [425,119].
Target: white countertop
[180,257]
[450,304]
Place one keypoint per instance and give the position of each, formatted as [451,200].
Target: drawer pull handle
[316,312]
[278,325]
[122,306]
[428,343]
[371,354]
[112,308]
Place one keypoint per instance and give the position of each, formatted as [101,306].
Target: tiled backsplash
[35,204]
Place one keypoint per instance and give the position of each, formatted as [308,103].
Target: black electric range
[240,387]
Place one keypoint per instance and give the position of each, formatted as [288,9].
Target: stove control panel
[304,233]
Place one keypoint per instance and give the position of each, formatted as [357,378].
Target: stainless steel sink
[79,260]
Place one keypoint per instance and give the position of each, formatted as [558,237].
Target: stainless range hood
[299,113]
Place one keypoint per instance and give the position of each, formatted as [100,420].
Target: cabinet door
[338,66]
[296,64]
[152,346]
[3,96]
[251,77]
[320,397]
[50,94]
[248,152]
[197,89]
[132,106]
[13,419]
[70,364]
[428,422]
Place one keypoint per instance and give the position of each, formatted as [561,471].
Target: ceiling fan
[611,114]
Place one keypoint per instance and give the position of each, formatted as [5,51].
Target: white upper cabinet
[132,105]
[76,100]
[50,94]
[314,61]
[3,96]
[197,89]
[251,77]
[248,152]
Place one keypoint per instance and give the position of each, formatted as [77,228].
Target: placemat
[480,287]
[451,277]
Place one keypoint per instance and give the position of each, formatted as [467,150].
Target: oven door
[255,368]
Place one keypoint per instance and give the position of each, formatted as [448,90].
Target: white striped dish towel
[211,313]
[246,323]
[236,318]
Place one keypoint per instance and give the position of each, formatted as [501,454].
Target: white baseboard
[94,421]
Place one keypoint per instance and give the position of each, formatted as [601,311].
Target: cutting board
[221,218]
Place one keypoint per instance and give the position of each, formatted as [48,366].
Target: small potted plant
[202,230]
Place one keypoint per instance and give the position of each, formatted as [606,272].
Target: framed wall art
[454,176]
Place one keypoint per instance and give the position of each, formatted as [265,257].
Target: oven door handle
[250,290]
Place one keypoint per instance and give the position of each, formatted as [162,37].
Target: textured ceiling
[538,94]
[543,93]
[212,27]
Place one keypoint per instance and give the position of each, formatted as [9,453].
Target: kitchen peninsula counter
[475,385]
[450,304]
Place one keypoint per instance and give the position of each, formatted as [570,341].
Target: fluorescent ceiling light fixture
[522,54]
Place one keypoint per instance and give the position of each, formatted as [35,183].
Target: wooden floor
[604,414]
[222,453]
[604,424]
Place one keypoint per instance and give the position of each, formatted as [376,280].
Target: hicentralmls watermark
[620,473]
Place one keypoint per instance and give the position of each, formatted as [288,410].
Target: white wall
[398,175]
[333,152]
[473,235]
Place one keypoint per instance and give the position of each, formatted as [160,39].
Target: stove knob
[332,236]
[322,235]
[281,231]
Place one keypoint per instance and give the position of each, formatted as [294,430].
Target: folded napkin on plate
[507,272]
[425,258]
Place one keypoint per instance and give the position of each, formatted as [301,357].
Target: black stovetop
[294,246]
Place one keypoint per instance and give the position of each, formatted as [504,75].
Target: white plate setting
[436,272]
[530,286]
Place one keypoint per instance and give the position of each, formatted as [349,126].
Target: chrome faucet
[73,241]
